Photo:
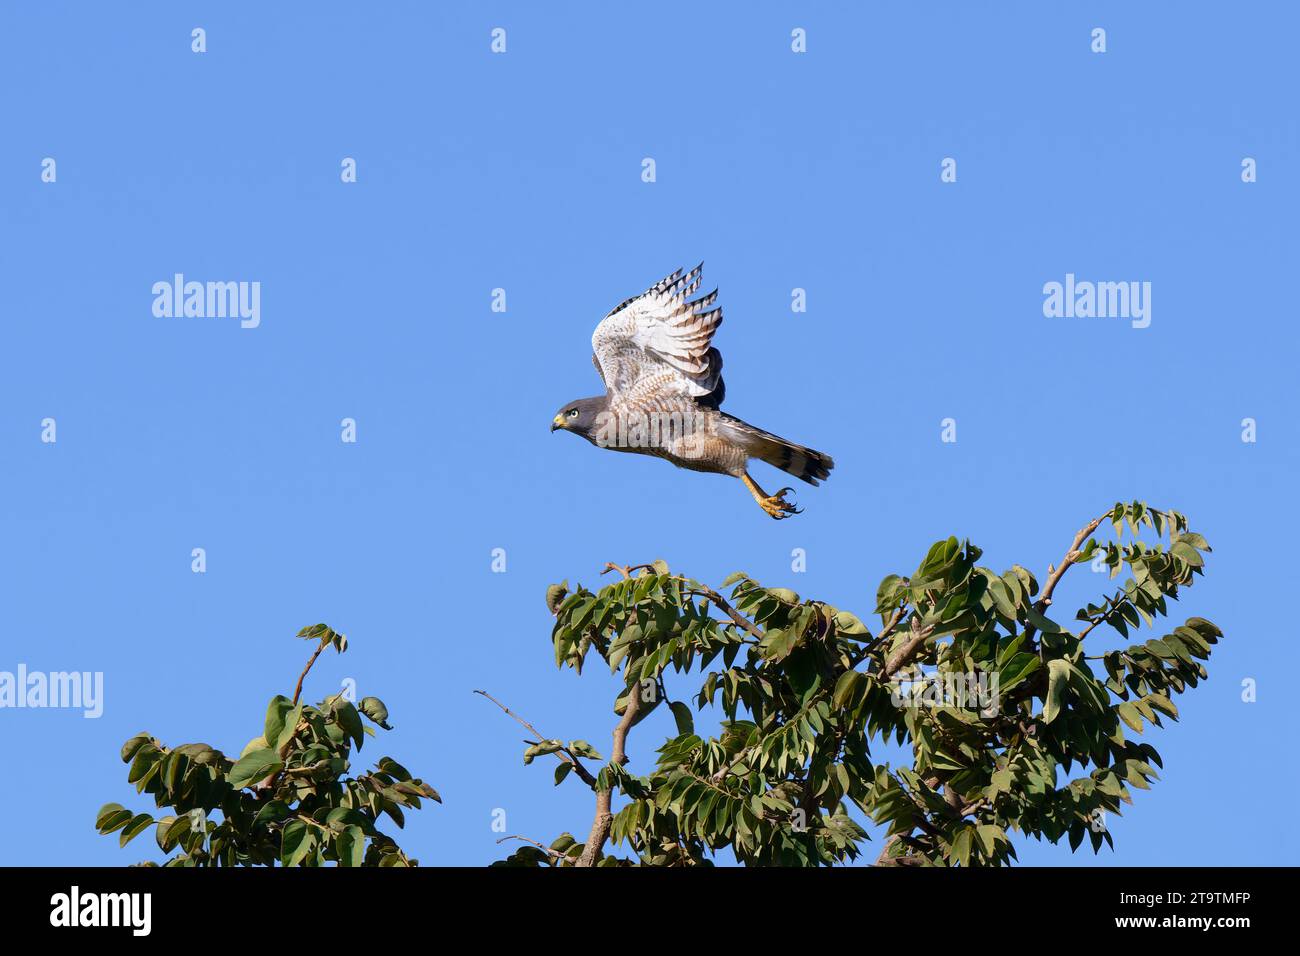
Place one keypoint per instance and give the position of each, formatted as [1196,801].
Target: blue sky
[522,171]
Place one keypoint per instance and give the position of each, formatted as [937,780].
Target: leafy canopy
[805,688]
[287,797]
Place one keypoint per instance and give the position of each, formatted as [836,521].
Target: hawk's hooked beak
[557,422]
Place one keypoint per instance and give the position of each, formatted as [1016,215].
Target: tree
[996,700]
[286,798]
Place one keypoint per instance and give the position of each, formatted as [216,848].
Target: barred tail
[804,463]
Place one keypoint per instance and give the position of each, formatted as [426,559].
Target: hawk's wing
[656,344]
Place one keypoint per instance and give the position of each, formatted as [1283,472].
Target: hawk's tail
[804,463]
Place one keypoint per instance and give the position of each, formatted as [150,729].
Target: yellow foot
[775,505]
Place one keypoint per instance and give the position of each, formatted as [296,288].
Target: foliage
[286,797]
[804,688]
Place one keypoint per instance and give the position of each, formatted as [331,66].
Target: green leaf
[350,845]
[131,746]
[253,766]
[138,824]
[111,816]
[295,843]
[555,595]
[374,708]
[582,749]
[682,715]
[1058,675]
[349,720]
[849,624]
[1016,670]
[281,720]
[989,836]
[1044,624]
[960,852]
[1129,713]
[273,812]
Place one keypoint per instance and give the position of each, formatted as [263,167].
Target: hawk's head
[582,416]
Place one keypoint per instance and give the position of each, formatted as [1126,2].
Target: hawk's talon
[776,505]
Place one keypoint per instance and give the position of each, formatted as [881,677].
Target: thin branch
[1045,598]
[541,846]
[297,691]
[903,656]
[626,572]
[1088,630]
[564,752]
[1054,575]
[880,638]
[721,603]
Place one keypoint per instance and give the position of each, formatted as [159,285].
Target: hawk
[663,388]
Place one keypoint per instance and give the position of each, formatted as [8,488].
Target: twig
[880,638]
[541,846]
[1055,574]
[568,755]
[721,603]
[297,691]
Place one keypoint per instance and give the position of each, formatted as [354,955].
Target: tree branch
[565,753]
[885,860]
[604,798]
[297,691]
[722,605]
[880,638]
[903,656]
[541,846]
[1054,575]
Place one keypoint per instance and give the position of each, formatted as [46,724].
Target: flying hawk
[663,389]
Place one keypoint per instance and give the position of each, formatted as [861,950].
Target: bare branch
[626,572]
[1054,575]
[541,846]
[297,691]
[564,753]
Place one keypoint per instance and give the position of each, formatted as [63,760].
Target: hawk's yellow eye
[573,413]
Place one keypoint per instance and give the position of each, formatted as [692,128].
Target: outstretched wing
[656,344]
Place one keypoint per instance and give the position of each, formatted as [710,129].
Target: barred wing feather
[657,344]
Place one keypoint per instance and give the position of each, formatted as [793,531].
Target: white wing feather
[659,341]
